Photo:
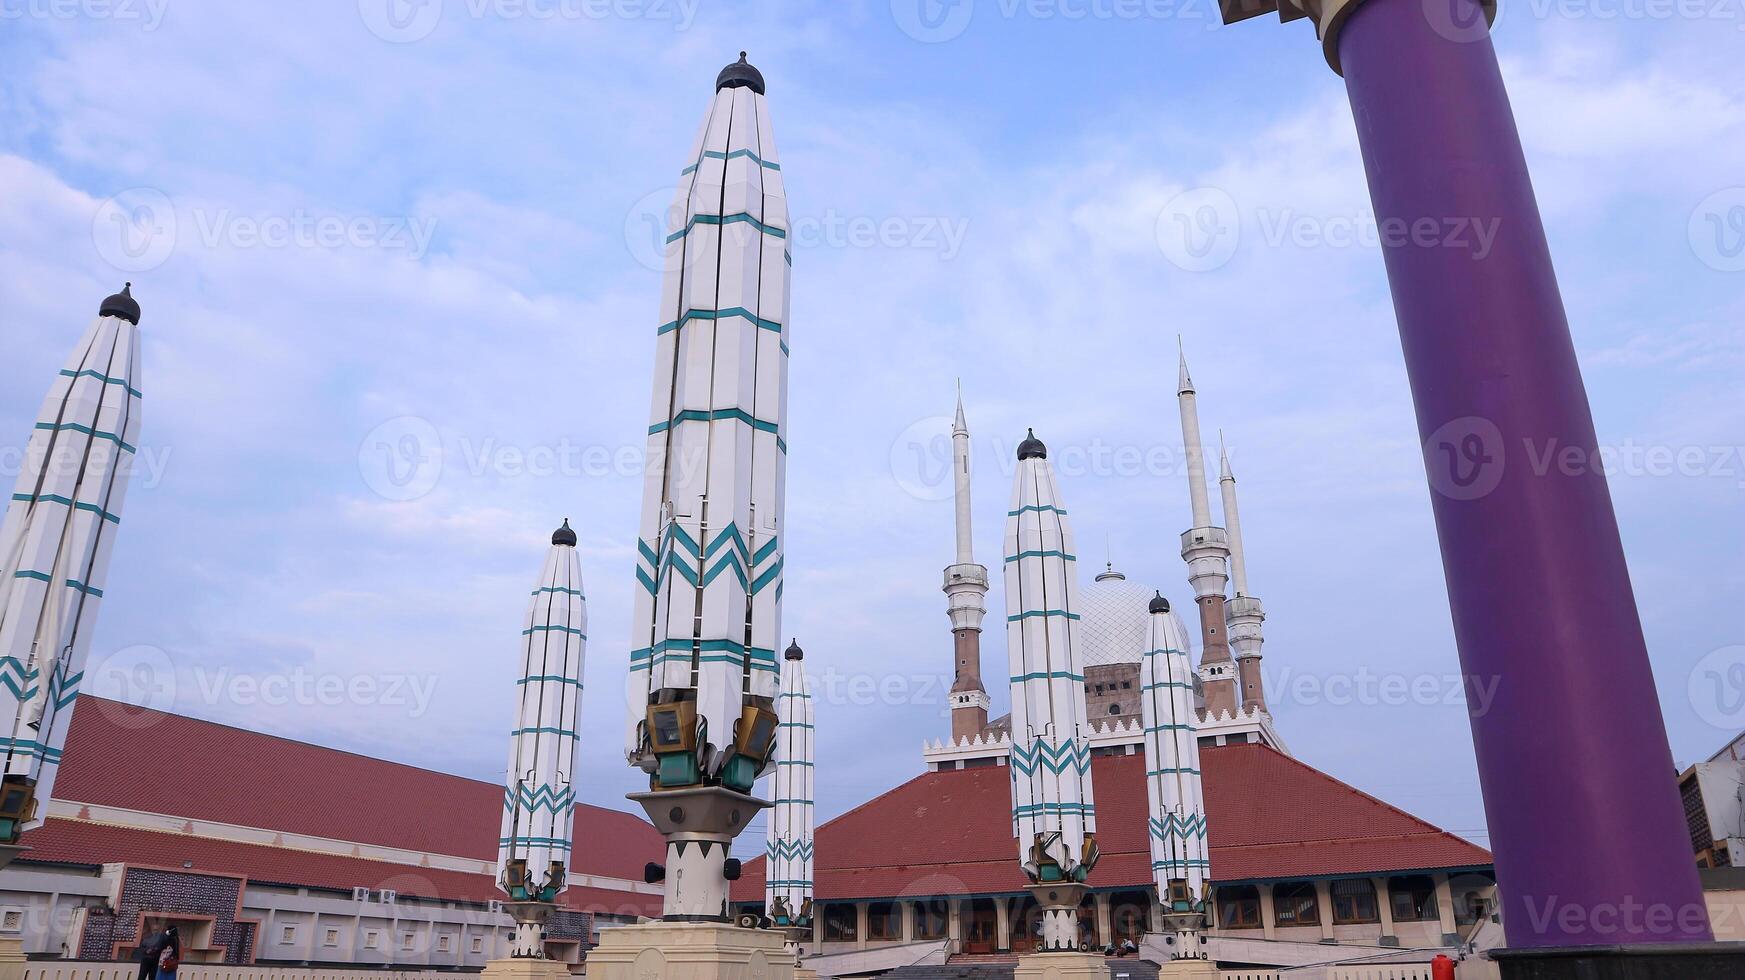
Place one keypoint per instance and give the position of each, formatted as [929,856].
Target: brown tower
[966,587]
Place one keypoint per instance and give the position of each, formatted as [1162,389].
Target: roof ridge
[110,824]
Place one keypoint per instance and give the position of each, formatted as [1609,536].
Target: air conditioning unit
[495,906]
[387,895]
[360,894]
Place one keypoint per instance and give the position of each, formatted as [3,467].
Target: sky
[397,268]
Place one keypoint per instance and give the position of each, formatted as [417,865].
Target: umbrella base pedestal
[690,951]
[1188,970]
[1671,961]
[1061,966]
[525,968]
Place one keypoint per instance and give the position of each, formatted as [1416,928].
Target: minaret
[539,797]
[966,589]
[703,677]
[788,873]
[1243,613]
[1177,823]
[1053,809]
[1206,549]
[55,544]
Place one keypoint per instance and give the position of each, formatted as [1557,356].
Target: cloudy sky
[399,284]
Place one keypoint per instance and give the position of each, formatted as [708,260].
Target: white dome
[1113,620]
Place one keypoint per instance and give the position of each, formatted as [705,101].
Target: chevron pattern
[1191,826]
[1056,758]
[789,849]
[727,552]
[535,798]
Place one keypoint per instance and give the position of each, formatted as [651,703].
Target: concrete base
[1673,961]
[1061,966]
[1188,970]
[525,968]
[690,951]
[801,973]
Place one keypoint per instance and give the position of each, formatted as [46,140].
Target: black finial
[794,652]
[1032,447]
[740,74]
[121,304]
[564,535]
[1159,604]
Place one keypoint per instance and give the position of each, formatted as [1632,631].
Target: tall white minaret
[1054,812]
[1206,549]
[539,795]
[966,589]
[703,677]
[1177,824]
[1243,613]
[55,541]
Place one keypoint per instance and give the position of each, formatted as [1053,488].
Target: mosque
[291,853]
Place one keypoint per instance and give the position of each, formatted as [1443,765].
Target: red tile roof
[125,756]
[78,842]
[1270,816]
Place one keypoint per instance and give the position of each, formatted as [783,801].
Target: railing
[87,970]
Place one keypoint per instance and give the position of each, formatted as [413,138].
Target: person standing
[171,956]
[149,953]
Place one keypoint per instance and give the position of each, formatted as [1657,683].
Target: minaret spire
[1177,825]
[1206,549]
[1243,614]
[1053,808]
[966,588]
[55,542]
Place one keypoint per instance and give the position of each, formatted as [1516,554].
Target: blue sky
[361,242]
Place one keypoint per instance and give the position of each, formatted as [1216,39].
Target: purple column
[1579,786]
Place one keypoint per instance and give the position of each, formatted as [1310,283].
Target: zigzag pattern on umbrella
[1192,825]
[1056,758]
[534,799]
[789,849]
[22,683]
[698,569]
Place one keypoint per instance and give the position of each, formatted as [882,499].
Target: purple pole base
[1579,786]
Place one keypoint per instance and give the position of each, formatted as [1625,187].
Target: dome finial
[564,535]
[740,74]
[121,304]
[1159,604]
[794,652]
[1032,447]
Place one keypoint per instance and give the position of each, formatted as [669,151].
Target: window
[931,918]
[478,945]
[884,920]
[1126,685]
[841,925]
[406,941]
[12,921]
[1472,896]
[1413,898]
[372,939]
[442,944]
[1354,901]
[289,935]
[1239,907]
[1114,709]
[330,938]
[1294,904]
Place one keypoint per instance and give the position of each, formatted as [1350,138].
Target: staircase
[999,966]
